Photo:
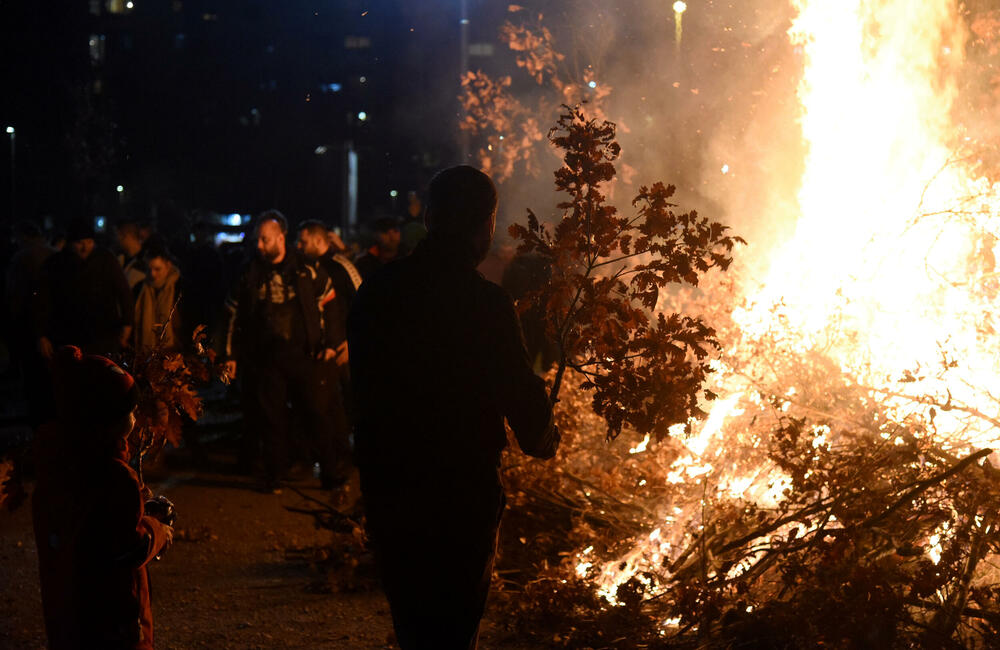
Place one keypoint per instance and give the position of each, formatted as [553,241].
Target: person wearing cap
[437,362]
[83,297]
[93,535]
[384,250]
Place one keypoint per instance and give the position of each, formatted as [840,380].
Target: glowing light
[393,193]
[641,447]
[592,84]
[129,5]
[120,189]
[882,287]
[320,150]
[679,9]
[233,219]
[935,550]
[10,130]
[362,116]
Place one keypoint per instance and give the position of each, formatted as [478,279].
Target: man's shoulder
[493,294]
[380,277]
[104,256]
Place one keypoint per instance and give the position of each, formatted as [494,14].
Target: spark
[679,8]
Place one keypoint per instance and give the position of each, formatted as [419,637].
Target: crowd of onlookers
[401,343]
[132,287]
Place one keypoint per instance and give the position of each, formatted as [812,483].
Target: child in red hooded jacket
[93,536]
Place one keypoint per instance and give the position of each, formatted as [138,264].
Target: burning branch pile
[822,501]
[820,517]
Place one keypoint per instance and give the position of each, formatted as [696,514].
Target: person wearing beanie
[438,361]
[83,298]
[93,536]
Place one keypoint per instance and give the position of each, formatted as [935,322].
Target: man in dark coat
[438,361]
[281,328]
[22,281]
[83,297]
[314,242]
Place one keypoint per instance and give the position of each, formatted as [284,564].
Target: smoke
[714,115]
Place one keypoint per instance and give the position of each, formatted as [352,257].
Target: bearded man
[281,333]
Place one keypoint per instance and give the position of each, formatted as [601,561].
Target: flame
[892,225]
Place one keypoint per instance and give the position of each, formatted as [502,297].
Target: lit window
[96,44]
[357,42]
[481,49]
[116,6]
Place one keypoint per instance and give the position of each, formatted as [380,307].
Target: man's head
[80,237]
[26,232]
[313,239]
[387,237]
[462,210]
[271,230]
[160,266]
[414,206]
[129,238]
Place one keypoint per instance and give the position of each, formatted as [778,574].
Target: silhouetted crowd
[398,359]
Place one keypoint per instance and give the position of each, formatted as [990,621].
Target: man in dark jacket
[83,297]
[438,362]
[281,326]
[22,281]
[314,242]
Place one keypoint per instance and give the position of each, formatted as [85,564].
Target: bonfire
[841,487]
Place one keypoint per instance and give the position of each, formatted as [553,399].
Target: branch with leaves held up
[646,369]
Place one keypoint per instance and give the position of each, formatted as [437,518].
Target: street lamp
[13,196]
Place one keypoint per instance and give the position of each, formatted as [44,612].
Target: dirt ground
[240,575]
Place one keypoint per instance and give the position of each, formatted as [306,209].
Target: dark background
[231,105]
